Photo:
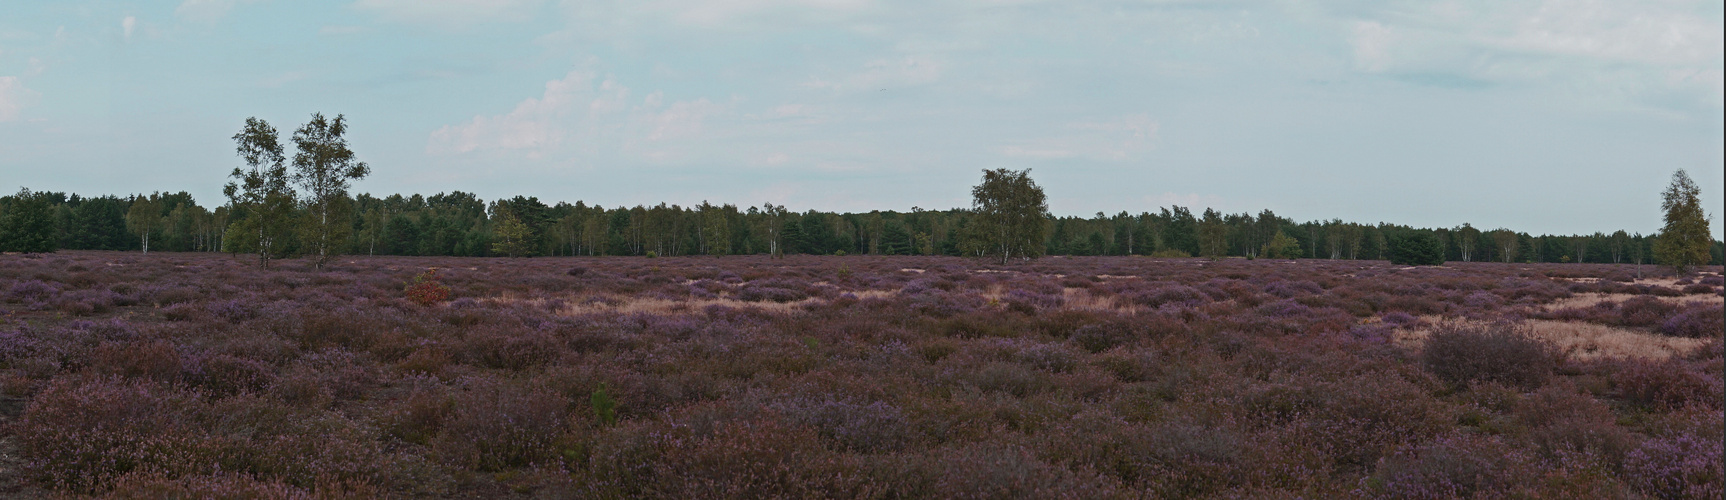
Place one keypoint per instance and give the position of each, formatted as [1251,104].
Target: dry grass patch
[1080,299]
[1580,341]
[1584,300]
[624,304]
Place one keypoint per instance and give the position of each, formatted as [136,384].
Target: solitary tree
[323,168]
[1684,241]
[1012,214]
[145,218]
[260,195]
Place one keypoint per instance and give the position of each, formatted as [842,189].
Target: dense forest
[462,224]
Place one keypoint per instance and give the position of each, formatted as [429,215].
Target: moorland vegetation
[199,375]
[913,355]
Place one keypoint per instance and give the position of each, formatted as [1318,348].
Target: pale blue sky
[1558,116]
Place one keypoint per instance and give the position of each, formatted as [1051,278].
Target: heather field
[200,376]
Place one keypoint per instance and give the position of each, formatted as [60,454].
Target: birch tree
[259,193]
[145,218]
[1012,212]
[324,167]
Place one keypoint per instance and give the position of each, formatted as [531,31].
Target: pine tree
[1684,242]
[514,238]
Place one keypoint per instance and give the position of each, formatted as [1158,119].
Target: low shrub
[1501,353]
[425,289]
[1677,467]
[1455,466]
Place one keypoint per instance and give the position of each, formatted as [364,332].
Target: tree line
[274,212]
[462,224]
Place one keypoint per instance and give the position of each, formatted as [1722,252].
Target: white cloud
[1108,140]
[12,97]
[1639,32]
[1597,48]
[884,75]
[453,13]
[586,116]
[128,25]
[1371,45]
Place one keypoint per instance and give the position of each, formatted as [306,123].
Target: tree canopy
[1011,214]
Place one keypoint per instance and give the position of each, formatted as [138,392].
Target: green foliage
[1281,246]
[604,407]
[1684,241]
[513,238]
[1011,214]
[1415,248]
[28,224]
[145,218]
[323,168]
[260,196]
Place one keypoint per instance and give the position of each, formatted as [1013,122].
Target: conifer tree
[1684,241]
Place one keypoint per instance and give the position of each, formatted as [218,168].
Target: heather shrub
[81,434]
[1292,289]
[153,486]
[1052,357]
[155,359]
[1483,300]
[1665,385]
[31,291]
[1644,311]
[1167,294]
[1097,337]
[1454,466]
[222,375]
[764,293]
[511,349]
[991,470]
[1677,467]
[1353,421]
[735,458]
[495,426]
[1572,430]
[1010,378]
[1502,353]
[1696,322]
[867,428]
[1030,302]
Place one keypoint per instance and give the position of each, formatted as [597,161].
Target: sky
[1557,117]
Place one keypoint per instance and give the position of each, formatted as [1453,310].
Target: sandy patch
[1582,341]
[911,270]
